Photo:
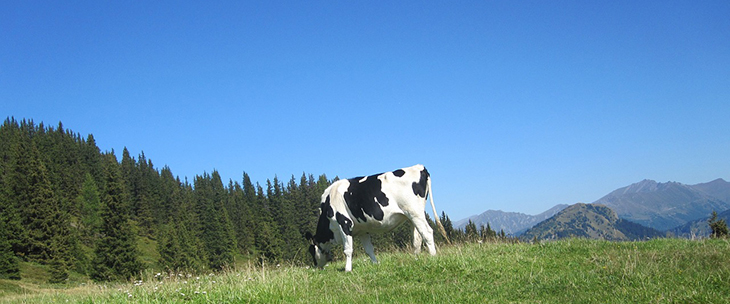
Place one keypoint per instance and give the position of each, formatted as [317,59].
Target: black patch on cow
[345,223]
[366,197]
[399,172]
[327,208]
[419,188]
[312,251]
[323,233]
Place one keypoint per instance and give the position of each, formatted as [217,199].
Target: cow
[361,206]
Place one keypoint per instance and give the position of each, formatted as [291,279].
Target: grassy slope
[584,271]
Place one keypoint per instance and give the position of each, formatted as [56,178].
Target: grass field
[567,271]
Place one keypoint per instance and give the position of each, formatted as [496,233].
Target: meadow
[565,271]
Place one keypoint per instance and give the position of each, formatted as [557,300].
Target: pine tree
[40,206]
[216,231]
[246,233]
[718,226]
[89,204]
[115,255]
[178,245]
[146,197]
[471,231]
[168,245]
[448,225]
[283,215]
[238,210]
[9,267]
[60,260]
[9,201]
[91,159]
[9,218]
[269,243]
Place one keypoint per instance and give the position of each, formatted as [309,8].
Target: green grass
[568,271]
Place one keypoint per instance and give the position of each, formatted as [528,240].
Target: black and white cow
[361,206]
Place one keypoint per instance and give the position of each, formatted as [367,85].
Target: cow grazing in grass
[361,206]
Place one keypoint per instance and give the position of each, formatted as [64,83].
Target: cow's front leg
[368,244]
[348,252]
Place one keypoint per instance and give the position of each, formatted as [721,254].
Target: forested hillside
[67,205]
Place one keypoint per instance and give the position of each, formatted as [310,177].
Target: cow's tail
[436,215]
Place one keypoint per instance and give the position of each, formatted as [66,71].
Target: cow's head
[321,252]
[320,244]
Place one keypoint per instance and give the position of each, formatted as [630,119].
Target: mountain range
[512,223]
[663,206]
[590,221]
[673,207]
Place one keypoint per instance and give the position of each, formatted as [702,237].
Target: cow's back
[379,203]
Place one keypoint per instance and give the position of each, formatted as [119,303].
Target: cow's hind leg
[368,244]
[426,233]
[417,240]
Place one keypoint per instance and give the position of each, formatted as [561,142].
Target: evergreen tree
[9,218]
[146,197]
[40,206]
[216,231]
[60,260]
[175,251]
[61,157]
[91,160]
[9,267]
[249,220]
[718,226]
[115,255]
[89,204]
[448,225]
[284,219]
[9,201]
[238,210]
[471,231]
[269,243]
[178,245]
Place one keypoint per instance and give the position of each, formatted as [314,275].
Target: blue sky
[512,105]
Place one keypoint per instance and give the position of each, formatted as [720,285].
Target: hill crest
[589,221]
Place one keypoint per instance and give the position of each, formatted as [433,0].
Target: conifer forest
[68,205]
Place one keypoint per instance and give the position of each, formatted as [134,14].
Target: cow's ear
[309,236]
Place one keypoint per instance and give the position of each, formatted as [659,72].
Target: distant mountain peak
[718,188]
[510,222]
[667,205]
[646,185]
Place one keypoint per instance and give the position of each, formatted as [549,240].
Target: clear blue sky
[512,105]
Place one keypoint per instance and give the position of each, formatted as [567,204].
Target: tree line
[66,204]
